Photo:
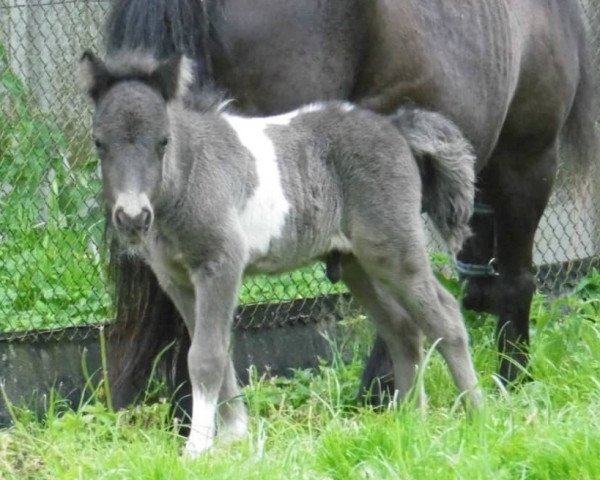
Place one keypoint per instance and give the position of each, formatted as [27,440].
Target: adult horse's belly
[451,56]
[281,54]
[456,57]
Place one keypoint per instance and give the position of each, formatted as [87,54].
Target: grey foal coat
[205,197]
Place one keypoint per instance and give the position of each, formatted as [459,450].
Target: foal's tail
[447,165]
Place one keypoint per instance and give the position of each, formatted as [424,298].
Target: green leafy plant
[51,272]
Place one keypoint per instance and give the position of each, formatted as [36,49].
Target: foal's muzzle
[140,222]
[132,215]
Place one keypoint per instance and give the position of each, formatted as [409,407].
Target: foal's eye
[99,144]
[162,145]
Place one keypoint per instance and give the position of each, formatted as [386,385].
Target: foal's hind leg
[478,251]
[401,335]
[430,306]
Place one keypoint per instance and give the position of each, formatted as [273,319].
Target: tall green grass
[309,427]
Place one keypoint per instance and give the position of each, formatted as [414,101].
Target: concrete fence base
[30,368]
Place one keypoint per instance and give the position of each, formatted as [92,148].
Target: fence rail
[52,266]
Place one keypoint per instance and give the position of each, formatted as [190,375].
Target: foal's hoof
[474,400]
[196,446]
[234,430]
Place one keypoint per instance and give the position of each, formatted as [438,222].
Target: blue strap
[482,209]
[475,270]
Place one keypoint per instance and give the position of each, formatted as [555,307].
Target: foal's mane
[97,76]
[207,99]
[131,65]
[140,65]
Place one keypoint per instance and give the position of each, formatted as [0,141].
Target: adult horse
[512,74]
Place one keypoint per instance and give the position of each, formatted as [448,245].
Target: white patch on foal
[263,217]
[202,431]
[284,119]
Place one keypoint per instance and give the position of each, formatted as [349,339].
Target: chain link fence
[52,267]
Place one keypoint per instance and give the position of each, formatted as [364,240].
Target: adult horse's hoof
[379,395]
[377,383]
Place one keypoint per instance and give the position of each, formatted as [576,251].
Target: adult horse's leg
[519,193]
[402,336]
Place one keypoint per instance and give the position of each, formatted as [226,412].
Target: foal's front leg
[216,288]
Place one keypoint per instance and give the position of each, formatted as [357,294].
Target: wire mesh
[52,269]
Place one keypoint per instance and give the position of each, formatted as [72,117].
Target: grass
[308,427]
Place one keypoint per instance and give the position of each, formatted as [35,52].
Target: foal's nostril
[146,218]
[120,217]
[132,224]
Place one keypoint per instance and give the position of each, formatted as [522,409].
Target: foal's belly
[284,256]
[279,260]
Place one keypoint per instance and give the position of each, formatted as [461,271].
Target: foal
[206,197]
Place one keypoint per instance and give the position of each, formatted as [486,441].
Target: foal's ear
[174,77]
[94,77]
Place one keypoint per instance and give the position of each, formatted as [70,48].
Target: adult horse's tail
[163,28]
[447,166]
